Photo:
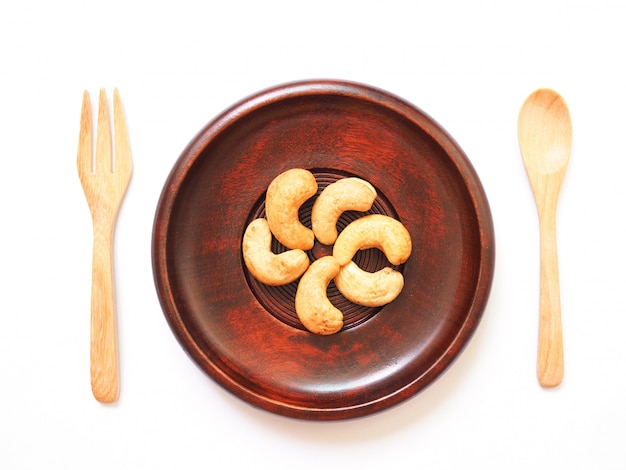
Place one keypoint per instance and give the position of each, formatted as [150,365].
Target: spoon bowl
[545,139]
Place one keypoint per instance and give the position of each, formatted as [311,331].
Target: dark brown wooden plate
[245,335]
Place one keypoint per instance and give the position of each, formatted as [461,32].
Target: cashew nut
[342,195]
[266,266]
[315,311]
[369,289]
[285,194]
[374,231]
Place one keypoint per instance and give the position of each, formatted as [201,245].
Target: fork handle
[104,354]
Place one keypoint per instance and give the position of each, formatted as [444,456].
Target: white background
[470,64]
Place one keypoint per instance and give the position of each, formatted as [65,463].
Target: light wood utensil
[104,181]
[545,139]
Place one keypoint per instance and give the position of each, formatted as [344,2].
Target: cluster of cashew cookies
[285,194]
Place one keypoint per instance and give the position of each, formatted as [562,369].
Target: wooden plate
[245,335]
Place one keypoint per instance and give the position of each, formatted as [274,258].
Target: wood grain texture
[226,322]
[545,136]
[104,182]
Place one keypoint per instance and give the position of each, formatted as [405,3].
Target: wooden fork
[104,181]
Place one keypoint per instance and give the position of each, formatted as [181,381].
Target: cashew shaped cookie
[267,267]
[315,311]
[285,194]
[374,231]
[342,195]
[369,289]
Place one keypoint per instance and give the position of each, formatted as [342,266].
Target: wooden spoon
[545,138]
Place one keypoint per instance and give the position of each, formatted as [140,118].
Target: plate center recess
[279,301]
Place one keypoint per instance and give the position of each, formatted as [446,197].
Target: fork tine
[104,161]
[123,161]
[84,159]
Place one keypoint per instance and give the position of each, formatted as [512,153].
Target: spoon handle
[550,351]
